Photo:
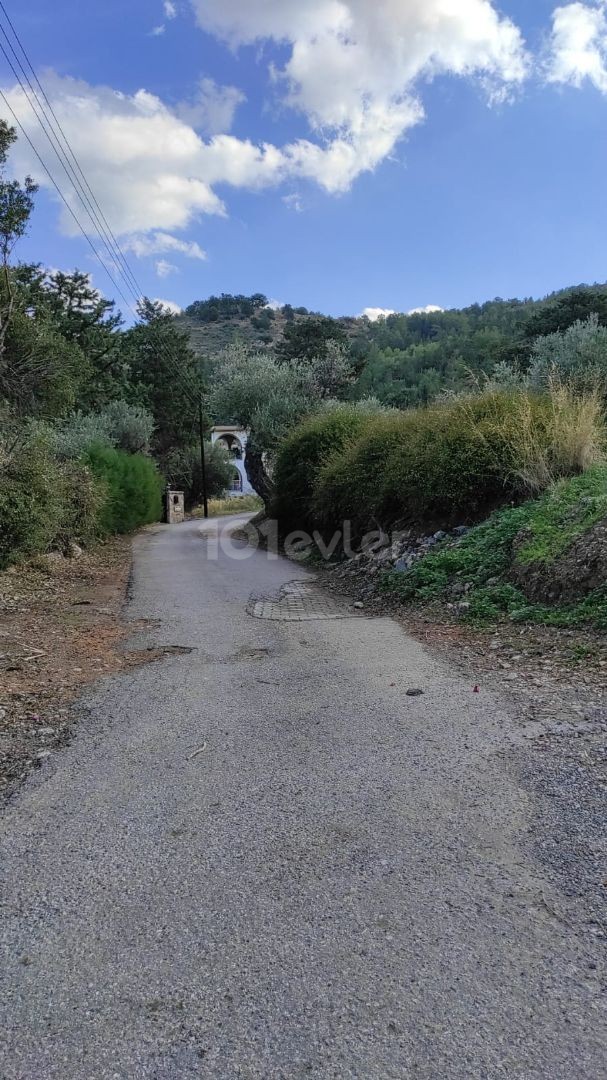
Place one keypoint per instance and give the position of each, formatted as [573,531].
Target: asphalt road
[262,859]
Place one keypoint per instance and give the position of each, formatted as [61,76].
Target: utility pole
[203,463]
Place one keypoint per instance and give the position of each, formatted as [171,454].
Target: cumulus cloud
[429,309]
[578,46]
[170,9]
[354,68]
[212,109]
[169,305]
[157,31]
[374,314]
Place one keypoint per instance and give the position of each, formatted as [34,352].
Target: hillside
[404,359]
[215,323]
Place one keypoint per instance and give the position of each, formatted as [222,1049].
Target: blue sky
[359,201]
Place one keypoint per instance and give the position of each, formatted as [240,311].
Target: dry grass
[238,504]
[567,439]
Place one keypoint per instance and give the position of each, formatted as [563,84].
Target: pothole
[299,601]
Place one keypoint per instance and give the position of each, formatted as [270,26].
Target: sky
[339,154]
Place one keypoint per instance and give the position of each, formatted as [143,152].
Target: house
[235,441]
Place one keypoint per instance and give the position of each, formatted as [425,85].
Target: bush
[120,425]
[302,455]
[44,504]
[133,489]
[458,459]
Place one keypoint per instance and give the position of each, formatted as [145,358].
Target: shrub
[133,489]
[458,459]
[44,504]
[120,425]
[302,455]
[577,356]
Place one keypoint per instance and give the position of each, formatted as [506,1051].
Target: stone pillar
[175,507]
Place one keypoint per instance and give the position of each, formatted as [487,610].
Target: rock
[460,530]
[438,536]
[415,693]
[45,731]
[403,564]
[74,551]
[358,604]
[42,754]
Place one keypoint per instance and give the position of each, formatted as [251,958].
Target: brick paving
[298,601]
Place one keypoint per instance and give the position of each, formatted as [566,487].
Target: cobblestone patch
[298,601]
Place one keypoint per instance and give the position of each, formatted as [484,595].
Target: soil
[60,629]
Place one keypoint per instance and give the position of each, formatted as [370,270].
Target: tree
[16,205]
[266,398]
[308,339]
[163,375]
[571,307]
[578,357]
[83,317]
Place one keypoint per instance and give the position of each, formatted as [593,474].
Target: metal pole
[203,463]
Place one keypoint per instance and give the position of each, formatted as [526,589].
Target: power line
[81,186]
[63,198]
[59,153]
[93,199]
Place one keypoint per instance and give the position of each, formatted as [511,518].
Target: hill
[403,359]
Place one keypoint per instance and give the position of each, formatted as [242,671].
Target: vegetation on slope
[485,565]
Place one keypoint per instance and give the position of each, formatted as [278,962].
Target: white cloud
[354,68]
[157,31]
[170,306]
[165,269]
[170,9]
[275,305]
[578,46]
[159,243]
[374,314]
[429,309]
[213,108]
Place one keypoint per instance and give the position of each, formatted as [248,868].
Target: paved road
[336,886]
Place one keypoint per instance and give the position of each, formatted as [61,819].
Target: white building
[235,441]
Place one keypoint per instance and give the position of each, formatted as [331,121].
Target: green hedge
[301,456]
[455,461]
[133,489]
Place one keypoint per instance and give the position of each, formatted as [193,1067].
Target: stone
[415,693]
[74,551]
[358,604]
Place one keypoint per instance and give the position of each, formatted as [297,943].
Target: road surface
[263,859]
